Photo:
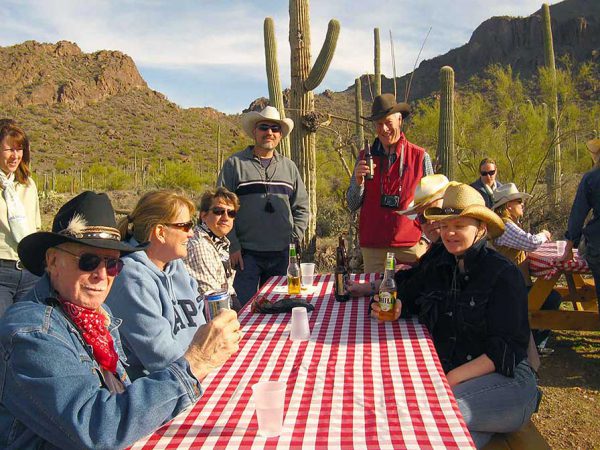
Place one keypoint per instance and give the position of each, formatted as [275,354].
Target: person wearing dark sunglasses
[486,184]
[64,382]
[274,206]
[155,295]
[207,258]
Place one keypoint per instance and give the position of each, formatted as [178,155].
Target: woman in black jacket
[474,303]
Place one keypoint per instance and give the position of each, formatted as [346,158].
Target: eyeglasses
[231,213]
[519,201]
[88,262]
[489,172]
[183,226]
[266,127]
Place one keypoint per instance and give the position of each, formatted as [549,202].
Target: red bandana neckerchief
[93,328]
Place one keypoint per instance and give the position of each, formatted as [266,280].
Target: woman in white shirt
[19,212]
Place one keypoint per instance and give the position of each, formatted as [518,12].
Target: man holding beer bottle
[398,166]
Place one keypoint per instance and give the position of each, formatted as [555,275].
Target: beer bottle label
[340,287]
[386,301]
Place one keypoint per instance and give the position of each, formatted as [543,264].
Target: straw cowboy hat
[593,146]
[461,200]
[384,105]
[268,114]
[429,189]
[506,193]
[87,219]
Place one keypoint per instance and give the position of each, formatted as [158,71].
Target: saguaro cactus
[304,80]
[445,150]
[553,182]
[360,134]
[377,61]
[273,80]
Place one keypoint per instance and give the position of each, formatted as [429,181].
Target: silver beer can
[215,301]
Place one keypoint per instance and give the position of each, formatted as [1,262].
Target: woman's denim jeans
[494,403]
[14,284]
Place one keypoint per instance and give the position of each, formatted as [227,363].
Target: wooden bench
[527,438]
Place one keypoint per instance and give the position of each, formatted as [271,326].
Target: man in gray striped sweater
[274,207]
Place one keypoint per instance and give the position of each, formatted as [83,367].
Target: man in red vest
[398,167]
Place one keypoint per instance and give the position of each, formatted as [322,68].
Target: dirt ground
[569,415]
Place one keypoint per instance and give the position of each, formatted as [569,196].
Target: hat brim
[249,121]
[403,108]
[510,198]
[495,225]
[32,248]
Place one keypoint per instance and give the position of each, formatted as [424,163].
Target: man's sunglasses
[231,213]
[88,262]
[266,127]
[489,172]
[183,226]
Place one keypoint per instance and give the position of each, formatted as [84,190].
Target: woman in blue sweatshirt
[154,294]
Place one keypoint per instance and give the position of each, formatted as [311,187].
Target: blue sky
[210,52]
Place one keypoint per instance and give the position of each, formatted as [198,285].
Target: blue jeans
[14,284]
[592,256]
[258,267]
[494,403]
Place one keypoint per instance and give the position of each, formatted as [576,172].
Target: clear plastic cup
[308,272]
[269,400]
[300,329]
[560,247]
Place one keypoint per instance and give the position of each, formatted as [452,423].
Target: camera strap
[400,170]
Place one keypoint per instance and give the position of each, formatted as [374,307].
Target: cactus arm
[317,73]
[360,135]
[273,80]
[446,155]
[377,61]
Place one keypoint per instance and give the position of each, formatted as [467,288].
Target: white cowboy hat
[461,200]
[268,114]
[506,193]
[429,189]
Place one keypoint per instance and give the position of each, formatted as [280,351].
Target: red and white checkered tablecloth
[543,262]
[355,384]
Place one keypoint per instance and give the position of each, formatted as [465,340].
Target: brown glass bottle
[341,272]
[369,160]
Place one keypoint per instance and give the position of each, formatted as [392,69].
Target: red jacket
[381,226]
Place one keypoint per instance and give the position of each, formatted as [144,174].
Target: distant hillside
[509,40]
[80,109]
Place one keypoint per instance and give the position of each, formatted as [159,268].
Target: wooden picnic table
[580,291]
[355,383]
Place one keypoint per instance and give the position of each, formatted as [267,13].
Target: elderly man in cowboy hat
[587,199]
[62,371]
[398,167]
[274,205]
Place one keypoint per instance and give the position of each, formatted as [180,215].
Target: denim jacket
[483,310]
[52,392]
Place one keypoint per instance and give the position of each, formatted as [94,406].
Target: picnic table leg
[540,291]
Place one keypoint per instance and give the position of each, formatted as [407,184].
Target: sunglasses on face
[231,213]
[489,172]
[183,226]
[266,127]
[88,262]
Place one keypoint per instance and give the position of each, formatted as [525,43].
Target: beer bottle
[293,272]
[369,160]
[387,290]
[341,272]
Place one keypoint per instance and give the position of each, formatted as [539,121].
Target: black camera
[390,201]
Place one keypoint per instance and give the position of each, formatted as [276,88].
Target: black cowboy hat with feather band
[87,219]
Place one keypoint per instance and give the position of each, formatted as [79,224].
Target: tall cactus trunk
[360,133]
[303,81]
[445,150]
[377,61]
[220,156]
[273,80]
[554,185]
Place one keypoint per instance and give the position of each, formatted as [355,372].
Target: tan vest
[519,257]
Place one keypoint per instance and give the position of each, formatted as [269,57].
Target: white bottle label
[386,301]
